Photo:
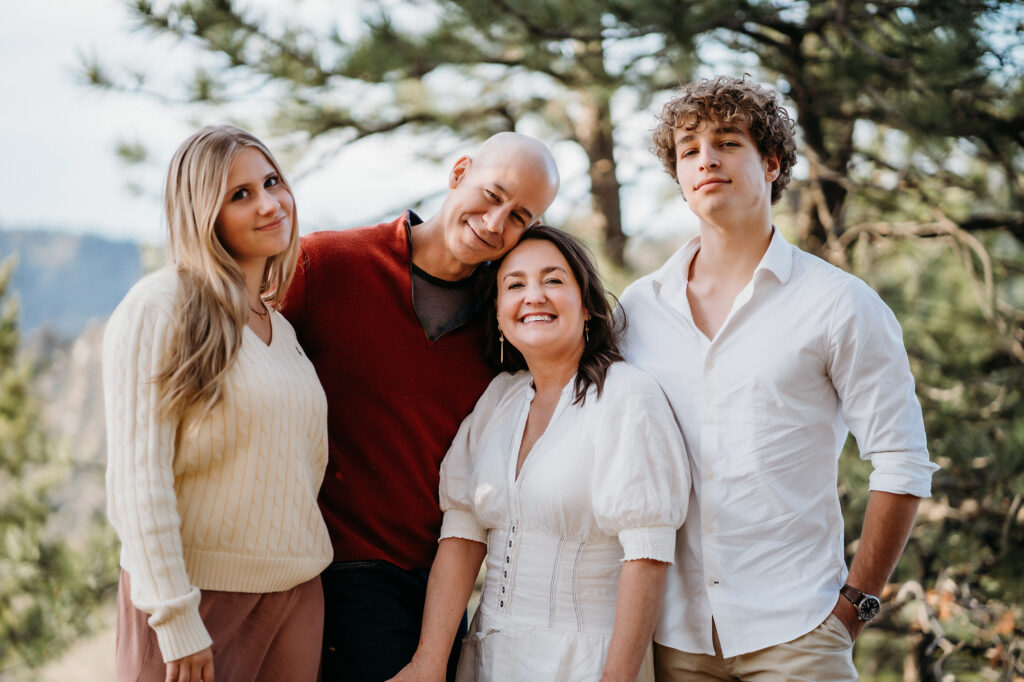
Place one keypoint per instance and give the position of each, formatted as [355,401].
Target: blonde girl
[217,437]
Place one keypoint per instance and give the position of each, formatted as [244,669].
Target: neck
[430,254]
[553,373]
[252,269]
[731,253]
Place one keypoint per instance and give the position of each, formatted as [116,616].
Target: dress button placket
[508,562]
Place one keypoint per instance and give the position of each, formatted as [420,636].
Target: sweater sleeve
[141,501]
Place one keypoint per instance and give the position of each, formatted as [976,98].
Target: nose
[535,293]
[268,203]
[494,219]
[708,158]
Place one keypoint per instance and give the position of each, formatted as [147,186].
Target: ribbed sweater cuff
[458,523]
[181,634]
[651,542]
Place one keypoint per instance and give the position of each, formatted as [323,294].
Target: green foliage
[48,590]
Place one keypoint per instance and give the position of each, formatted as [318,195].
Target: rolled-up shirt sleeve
[868,366]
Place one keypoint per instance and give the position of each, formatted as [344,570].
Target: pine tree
[48,591]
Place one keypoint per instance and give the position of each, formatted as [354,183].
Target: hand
[847,613]
[418,671]
[197,667]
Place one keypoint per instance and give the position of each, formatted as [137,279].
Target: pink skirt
[271,636]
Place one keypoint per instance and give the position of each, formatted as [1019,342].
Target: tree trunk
[596,137]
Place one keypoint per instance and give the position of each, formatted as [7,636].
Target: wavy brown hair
[730,100]
[212,302]
[601,351]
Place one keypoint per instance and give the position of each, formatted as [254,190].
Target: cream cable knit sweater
[229,507]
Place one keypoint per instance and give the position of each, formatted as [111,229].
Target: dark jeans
[372,616]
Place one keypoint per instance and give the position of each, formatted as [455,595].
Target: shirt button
[503,589]
[708,476]
[708,529]
[506,574]
[502,603]
[509,543]
[708,419]
[507,560]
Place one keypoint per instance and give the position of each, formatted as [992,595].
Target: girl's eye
[515,285]
[553,280]
[239,195]
[491,195]
[271,181]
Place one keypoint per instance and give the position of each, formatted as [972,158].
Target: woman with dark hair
[569,476]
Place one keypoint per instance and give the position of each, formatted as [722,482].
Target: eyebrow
[544,271]
[724,130]
[504,191]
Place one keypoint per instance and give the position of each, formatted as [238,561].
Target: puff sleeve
[642,476]
[457,492]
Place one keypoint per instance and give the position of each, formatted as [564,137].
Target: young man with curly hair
[770,356]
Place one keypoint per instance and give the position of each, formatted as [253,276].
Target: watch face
[869,607]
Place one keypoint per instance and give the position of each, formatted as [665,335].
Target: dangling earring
[501,347]
[586,332]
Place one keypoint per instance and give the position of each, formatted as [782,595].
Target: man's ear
[772,167]
[459,171]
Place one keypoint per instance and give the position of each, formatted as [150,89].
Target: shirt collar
[778,258]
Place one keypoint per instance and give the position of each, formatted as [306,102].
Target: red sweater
[394,398]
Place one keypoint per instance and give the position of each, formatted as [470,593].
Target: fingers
[197,667]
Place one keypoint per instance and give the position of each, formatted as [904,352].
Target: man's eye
[492,196]
[518,218]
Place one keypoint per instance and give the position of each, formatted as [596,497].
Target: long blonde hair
[212,296]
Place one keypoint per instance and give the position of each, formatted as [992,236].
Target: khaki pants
[823,654]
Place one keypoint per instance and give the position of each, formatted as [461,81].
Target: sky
[60,171]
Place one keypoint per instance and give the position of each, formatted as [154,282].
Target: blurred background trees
[49,584]
[911,126]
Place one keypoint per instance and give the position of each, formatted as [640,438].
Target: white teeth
[538,318]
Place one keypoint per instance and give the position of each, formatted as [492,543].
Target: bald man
[390,318]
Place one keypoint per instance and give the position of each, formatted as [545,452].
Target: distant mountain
[65,280]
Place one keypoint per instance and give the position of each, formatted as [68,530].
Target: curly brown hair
[725,99]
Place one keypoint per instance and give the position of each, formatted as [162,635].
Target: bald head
[522,152]
[494,195]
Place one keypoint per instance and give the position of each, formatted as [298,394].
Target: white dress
[606,482]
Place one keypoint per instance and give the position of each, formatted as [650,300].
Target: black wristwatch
[867,605]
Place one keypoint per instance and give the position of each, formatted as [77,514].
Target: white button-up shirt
[806,353]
